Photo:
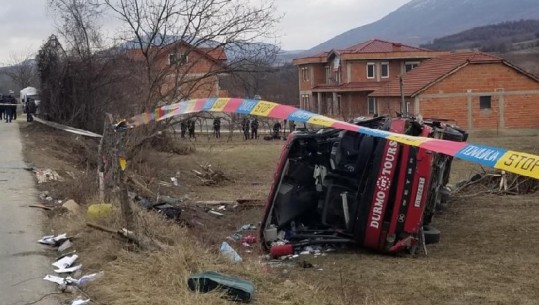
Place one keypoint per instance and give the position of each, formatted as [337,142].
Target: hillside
[421,21]
[501,37]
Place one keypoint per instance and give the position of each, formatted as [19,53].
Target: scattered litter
[52,240]
[249,239]
[80,302]
[229,252]
[40,206]
[215,213]
[72,206]
[46,175]
[68,270]
[89,278]
[66,261]
[55,279]
[221,208]
[281,250]
[208,176]
[65,245]
[248,227]
[174,181]
[236,289]
[99,210]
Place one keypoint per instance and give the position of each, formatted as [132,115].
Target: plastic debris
[52,240]
[73,281]
[80,302]
[229,252]
[68,270]
[249,239]
[235,288]
[46,175]
[65,245]
[215,213]
[247,227]
[66,261]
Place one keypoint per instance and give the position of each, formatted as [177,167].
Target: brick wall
[448,99]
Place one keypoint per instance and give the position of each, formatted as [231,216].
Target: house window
[371,107]
[385,70]
[328,75]
[410,65]
[485,102]
[177,58]
[305,74]
[371,70]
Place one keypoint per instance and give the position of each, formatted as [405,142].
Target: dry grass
[486,255]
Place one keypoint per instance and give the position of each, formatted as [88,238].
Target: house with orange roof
[475,89]
[182,70]
[338,83]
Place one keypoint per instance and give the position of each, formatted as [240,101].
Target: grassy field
[487,254]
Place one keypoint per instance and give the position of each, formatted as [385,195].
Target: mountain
[420,21]
[501,37]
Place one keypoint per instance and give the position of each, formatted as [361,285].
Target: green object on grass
[236,288]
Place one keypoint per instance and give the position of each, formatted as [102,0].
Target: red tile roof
[432,71]
[380,46]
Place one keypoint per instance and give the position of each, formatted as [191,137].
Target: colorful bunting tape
[524,164]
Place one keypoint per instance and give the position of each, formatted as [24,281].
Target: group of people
[249,128]
[8,108]
[189,126]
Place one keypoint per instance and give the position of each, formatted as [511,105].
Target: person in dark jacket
[254,128]
[245,124]
[183,129]
[217,127]
[2,107]
[30,109]
[191,129]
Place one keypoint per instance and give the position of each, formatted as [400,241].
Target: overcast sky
[26,24]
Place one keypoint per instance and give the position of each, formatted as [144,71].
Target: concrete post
[319,110]
[501,106]
[470,109]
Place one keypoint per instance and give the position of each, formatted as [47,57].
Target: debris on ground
[99,210]
[46,175]
[229,252]
[52,240]
[66,261]
[65,245]
[208,176]
[495,182]
[72,206]
[41,206]
[80,302]
[165,205]
[236,289]
[68,270]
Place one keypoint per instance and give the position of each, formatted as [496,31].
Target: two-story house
[182,70]
[338,83]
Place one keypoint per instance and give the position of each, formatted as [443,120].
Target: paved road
[23,262]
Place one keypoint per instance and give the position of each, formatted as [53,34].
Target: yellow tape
[519,163]
[413,141]
[219,104]
[263,108]
[322,121]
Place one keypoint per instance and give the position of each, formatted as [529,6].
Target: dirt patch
[486,254]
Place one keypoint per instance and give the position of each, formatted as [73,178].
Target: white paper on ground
[52,240]
[68,270]
[66,261]
[80,302]
[55,279]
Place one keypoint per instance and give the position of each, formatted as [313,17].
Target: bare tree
[21,70]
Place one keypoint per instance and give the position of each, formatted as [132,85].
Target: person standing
[191,129]
[30,109]
[183,129]
[2,107]
[292,126]
[245,125]
[13,106]
[217,127]
[254,128]
[8,112]
[276,130]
